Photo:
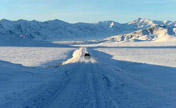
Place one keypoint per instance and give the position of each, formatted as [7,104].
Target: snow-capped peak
[112,24]
[158,33]
[142,23]
[60,30]
[138,20]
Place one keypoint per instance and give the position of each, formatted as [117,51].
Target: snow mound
[78,56]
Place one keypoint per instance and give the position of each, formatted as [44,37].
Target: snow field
[116,76]
[34,56]
[158,53]
[157,56]
[28,87]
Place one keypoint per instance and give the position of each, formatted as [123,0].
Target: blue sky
[88,10]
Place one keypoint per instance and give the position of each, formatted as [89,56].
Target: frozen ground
[118,75]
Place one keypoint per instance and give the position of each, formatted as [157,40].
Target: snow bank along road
[101,82]
[98,82]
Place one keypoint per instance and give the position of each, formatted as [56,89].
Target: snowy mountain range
[155,33]
[55,30]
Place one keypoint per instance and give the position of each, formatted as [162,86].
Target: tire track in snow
[102,88]
[60,90]
[70,92]
[87,87]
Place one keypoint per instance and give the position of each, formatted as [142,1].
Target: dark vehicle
[87,56]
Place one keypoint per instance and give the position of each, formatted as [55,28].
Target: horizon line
[80,21]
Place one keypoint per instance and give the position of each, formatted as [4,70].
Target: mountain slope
[55,30]
[156,33]
[145,23]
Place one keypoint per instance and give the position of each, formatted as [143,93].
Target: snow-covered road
[98,82]
[87,87]
[107,83]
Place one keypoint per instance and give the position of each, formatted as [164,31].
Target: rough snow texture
[26,87]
